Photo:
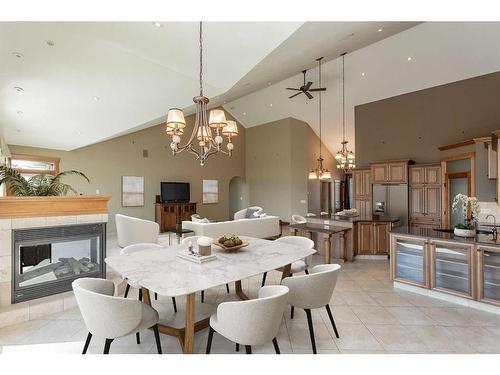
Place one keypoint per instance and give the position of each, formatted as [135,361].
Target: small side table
[179,233]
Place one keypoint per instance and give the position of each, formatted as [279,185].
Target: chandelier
[202,142]
[320,172]
[344,157]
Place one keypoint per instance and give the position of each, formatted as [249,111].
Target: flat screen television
[175,192]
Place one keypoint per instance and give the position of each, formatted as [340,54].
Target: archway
[238,195]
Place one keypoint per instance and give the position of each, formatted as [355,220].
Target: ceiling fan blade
[294,95]
[318,89]
[308,95]
[291,88]
[308,85]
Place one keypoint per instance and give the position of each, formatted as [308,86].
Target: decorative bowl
[233,248]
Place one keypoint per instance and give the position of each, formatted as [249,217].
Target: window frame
[47,159]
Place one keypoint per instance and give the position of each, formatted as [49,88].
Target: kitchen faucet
[495,231]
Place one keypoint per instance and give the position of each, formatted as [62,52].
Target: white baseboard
[449,298]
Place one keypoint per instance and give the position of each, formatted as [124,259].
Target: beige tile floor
[372,317]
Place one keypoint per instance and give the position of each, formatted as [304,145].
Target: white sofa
[241,214]
[264,227]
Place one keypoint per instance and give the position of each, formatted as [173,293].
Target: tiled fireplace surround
[34,309]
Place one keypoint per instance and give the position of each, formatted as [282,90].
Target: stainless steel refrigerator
[391,200]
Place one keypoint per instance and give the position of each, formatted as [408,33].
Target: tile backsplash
[488,208]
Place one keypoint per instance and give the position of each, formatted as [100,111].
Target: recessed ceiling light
[409,58]
[19,55]
[158,24]
[363,74]
[269,83]
[380,30]
[270,105]
[244,113]
[96,98]
[19,89]
[19,112]
[50,43]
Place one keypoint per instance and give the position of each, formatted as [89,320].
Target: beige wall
[279,156]
[105,162]
[415,124]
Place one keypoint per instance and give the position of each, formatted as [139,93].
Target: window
[29,166]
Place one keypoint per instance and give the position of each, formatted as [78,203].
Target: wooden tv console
[167,215]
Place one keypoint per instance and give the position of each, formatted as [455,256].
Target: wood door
[417,175]
[358,183]
[398,172]
[433,175]
[432,200]
[365,238]
[379,173]
[417,207]
[367,182]
[381,238]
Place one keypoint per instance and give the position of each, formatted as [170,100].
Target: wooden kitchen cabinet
[425,196]
[362,183]
[390,172]
[373,238]
[364,207]
[409,260]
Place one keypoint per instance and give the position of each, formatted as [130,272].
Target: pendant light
[320,172]
[345,158]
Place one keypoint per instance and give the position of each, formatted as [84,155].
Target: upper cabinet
[391,172]
[362,183]
[425,175]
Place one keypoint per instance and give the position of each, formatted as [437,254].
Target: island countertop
[354,219]
[445,235]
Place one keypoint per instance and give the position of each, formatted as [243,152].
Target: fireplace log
[30,274]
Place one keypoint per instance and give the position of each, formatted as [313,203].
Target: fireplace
[46,260]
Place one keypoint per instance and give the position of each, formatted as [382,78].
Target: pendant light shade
[175,119]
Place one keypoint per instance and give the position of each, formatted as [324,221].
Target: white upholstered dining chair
[252,322]
[301,265]
[135,248]
[313,291]
[132,230]
[112,317]
[194,241]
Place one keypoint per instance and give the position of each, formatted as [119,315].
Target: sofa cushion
[250,214]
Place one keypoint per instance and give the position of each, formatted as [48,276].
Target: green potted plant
[37,185]
[470,212]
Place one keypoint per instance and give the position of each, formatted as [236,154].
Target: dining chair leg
[227,288]
[292,310]
[202,296]
[237,347]
[306,271]
[209,341]
[175,304]
[157,338]
[140,294]
[330,315]
[248,349]
[127,289]
[311,329]
[156,296]
[107,344]
[138,337]
[276,347]
[264,279]
[87,342]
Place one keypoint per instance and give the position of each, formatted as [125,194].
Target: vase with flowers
[469,208]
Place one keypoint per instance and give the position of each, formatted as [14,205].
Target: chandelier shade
[202,142]
[231,129]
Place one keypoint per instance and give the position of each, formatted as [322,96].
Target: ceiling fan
[306,87]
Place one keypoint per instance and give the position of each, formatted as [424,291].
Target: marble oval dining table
[162,271]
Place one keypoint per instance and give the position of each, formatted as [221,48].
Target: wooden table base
[186,334]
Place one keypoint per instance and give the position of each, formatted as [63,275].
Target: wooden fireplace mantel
[17,207]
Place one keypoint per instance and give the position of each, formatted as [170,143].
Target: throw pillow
[251,213]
